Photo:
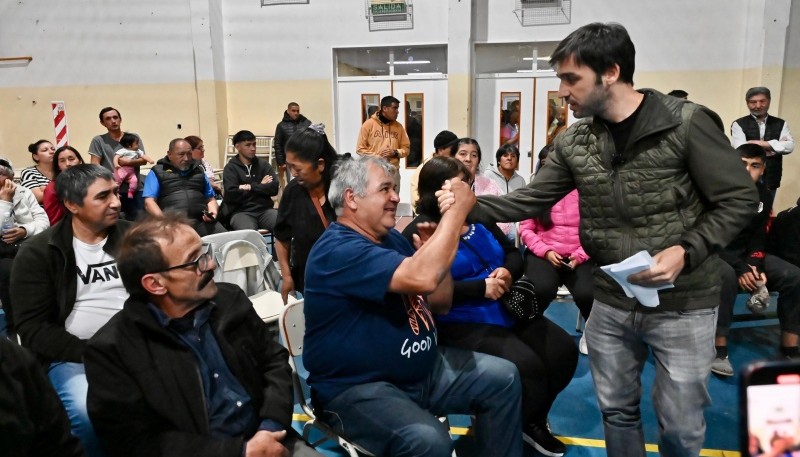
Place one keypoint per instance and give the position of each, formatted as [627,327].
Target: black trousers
[782,277]
[547,279]
[545,355]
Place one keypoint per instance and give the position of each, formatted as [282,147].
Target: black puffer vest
[181,192]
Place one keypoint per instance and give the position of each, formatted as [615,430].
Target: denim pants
[392,421]
[69,381]
[683,348]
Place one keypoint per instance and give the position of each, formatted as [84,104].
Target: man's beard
[595,104]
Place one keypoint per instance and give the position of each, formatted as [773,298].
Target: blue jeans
[392,421]
[69,381]
[683,348]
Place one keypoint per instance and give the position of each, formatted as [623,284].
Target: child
[130,150]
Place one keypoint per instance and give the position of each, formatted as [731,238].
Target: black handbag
[520,301]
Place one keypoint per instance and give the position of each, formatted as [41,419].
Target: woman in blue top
[484,268]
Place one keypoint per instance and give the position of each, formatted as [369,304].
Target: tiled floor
[576,418]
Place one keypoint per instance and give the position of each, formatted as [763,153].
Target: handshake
[455,193]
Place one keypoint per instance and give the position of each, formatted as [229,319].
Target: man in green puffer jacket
[655,173]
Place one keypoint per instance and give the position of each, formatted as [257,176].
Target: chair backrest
[231,255]
[292,325]
[241,263]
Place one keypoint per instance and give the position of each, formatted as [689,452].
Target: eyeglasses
[202,263]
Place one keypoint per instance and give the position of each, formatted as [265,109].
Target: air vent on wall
[389,14]
[543,12]
[282,2]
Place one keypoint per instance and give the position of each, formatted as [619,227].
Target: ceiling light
[409,62]
[538,58]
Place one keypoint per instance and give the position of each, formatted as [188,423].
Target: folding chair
[292,325]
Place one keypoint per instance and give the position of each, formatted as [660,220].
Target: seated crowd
[145,354]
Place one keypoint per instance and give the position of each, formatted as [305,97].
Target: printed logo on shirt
[418,315]
[386,134]
[101,272]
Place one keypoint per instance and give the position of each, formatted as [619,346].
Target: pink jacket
[485,186]
[562,237]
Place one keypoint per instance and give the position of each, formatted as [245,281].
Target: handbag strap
[318,207]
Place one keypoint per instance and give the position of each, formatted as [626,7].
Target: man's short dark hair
[388,100]
[107,109]
[140,252]
[504,149]
[73,183]
[291,104]
[760,90]
[444,139]
[243,135]
[175,141]
[752,151]
[599,46]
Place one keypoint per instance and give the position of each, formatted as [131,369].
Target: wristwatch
[397,153]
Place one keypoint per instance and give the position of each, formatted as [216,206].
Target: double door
[423,113]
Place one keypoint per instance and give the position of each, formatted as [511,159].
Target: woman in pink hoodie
[554,256]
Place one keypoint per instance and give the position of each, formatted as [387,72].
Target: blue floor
[575,416]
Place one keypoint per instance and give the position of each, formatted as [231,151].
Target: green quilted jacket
[680,182]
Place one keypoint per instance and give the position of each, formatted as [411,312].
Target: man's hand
[425,230]
[455,191]
[387,153]
[267,179]
[15,234]
[668,265]
[7,190]
[209,216]
[749,281]
[266,444]
[764,144]
[244,187]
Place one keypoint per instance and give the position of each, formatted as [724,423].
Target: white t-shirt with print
[100,292]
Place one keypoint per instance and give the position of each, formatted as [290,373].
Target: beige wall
[789,191]
[151,110]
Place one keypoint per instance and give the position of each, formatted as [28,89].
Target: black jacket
[784,236]
[283,131]
[145,393]
[32,419]
[259,197]
[182,192]
[44,282]
[749,246]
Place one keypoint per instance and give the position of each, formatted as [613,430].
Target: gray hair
[760,90]
[6,168]
[73,183]
[353,174]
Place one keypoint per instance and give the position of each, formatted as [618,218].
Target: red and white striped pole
[60,123]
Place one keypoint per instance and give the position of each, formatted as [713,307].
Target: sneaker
[582,345]
[540,438]
[722,366]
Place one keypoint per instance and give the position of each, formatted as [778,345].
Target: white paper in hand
[647,296]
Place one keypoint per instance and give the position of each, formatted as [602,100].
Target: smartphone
[209,215]
[565,263]
[769,405]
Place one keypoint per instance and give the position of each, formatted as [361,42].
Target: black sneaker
[542,440]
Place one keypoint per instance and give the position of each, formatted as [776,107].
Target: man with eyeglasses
[187,368]
[65,285]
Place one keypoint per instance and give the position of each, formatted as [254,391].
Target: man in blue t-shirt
[376,373]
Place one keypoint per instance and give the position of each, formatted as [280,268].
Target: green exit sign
[388,8]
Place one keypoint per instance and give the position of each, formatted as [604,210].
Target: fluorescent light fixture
[409,62]
[538,58]
[524,71]
[432,73]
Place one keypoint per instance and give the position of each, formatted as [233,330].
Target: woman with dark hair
[199,153]
[485,266]
[37,177]
[304,211]
[65,157]
[554,255]
[468,152]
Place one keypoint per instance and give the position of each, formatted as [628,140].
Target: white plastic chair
[292,326]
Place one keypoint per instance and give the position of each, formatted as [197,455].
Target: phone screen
[772,416]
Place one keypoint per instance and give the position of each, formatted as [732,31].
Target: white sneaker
[582,344]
